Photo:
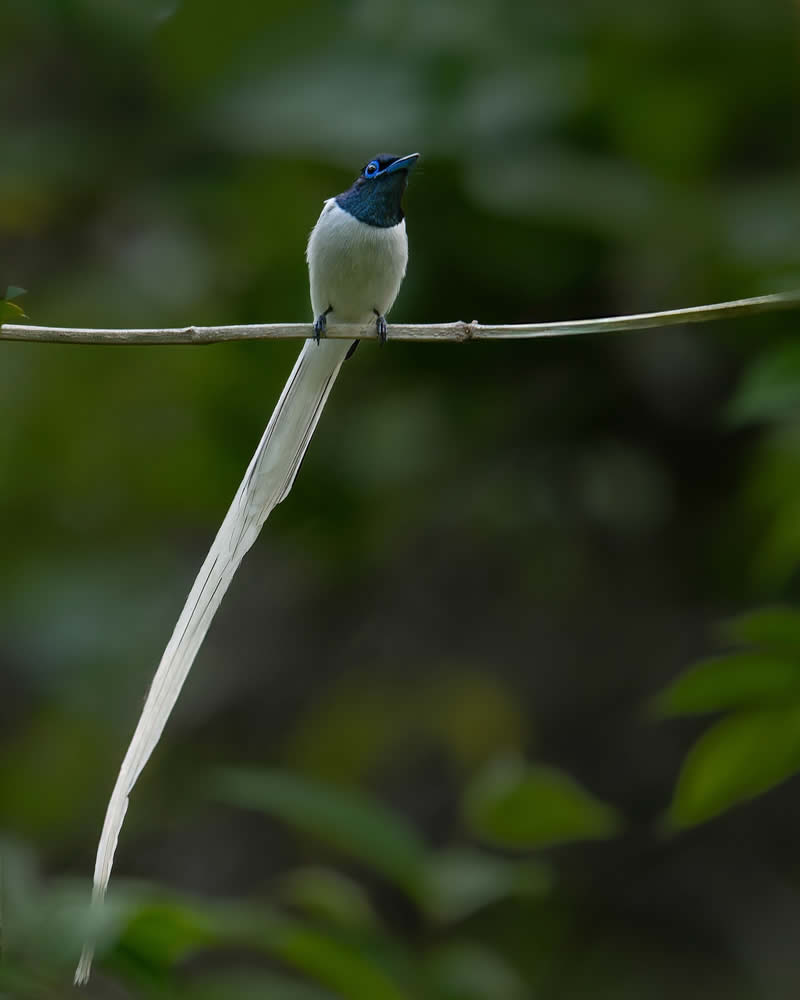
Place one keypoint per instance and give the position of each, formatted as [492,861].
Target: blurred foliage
[435,660]
[515,806]
[326,929]
[757,744]
[11,311]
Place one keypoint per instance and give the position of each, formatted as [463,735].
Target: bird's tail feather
[268,479]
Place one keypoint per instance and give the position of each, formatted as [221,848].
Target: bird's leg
[380,326]
[321,323]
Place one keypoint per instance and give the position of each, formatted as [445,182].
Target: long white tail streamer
[268,479]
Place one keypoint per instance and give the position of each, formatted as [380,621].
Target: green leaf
[329,895]
[335,962]
[770,388]
[735,681]
[169,929]
[776,628]
[515,805]
[735,760]
[342,818]
[10,312]
[457,883]
[164,931]
[468,971]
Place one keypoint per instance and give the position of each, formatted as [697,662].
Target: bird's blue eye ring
[371,168]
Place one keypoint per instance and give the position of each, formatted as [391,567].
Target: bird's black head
[376,196]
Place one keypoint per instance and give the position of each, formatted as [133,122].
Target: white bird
[357,255]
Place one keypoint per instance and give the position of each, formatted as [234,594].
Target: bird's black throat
[377,201]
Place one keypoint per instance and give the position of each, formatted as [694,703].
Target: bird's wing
[268,479]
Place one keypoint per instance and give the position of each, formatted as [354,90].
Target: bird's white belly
[355,268]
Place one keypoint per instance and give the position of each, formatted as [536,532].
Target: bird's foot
[320,325]
[380,326]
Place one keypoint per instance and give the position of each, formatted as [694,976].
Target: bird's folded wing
[268,479]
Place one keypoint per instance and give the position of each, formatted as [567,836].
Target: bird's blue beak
[404,163]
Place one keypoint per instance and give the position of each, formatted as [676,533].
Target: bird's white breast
[353,267]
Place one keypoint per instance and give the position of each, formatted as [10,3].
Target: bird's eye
[371,168]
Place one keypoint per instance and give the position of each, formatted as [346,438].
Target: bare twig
[457,331]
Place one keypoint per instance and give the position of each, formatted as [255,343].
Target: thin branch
[457,331]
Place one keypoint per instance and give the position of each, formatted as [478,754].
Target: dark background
[494,551]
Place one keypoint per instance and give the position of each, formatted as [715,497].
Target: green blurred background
[418,755]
